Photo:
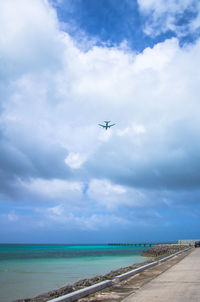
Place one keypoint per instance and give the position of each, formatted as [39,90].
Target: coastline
[153,253]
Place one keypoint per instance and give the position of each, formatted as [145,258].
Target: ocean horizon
[27,270]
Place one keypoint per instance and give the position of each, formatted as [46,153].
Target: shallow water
[27,270]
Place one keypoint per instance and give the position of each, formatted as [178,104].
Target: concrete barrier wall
[135,271]
[99,286]
[172,255]
[83,292]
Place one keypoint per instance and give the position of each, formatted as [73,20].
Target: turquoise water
[27,270]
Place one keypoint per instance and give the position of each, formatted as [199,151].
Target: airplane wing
[111,125]
[102,125]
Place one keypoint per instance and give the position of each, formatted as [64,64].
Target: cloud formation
[180,17]
[54,94]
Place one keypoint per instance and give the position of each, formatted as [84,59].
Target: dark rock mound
[163,250]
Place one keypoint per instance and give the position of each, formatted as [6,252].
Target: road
[180,283]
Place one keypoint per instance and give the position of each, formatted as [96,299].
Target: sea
[27,270]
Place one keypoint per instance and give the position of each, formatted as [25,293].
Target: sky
[65,67]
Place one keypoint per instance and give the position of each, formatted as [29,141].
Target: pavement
[181,283]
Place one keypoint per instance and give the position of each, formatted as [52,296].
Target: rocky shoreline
[155,252]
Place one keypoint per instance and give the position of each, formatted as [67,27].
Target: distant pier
[135,244]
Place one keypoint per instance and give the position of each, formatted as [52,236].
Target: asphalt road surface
[179,283]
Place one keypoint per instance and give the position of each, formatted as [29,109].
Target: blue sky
[65,67]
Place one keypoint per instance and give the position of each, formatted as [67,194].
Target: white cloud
[104,187]
[139,129]
[28,34]
[69,220]
[75,160]
[123,131]
[134,129]
[12,216]
[106,193]
[158,59]
[105,136]
[53,189]
[162,16]
[113,196]
[57,210]
[161,6]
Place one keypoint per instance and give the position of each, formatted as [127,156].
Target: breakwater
[163,250]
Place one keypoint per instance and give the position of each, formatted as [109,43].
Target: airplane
[106,126]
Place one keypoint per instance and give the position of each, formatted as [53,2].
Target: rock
[162,250]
